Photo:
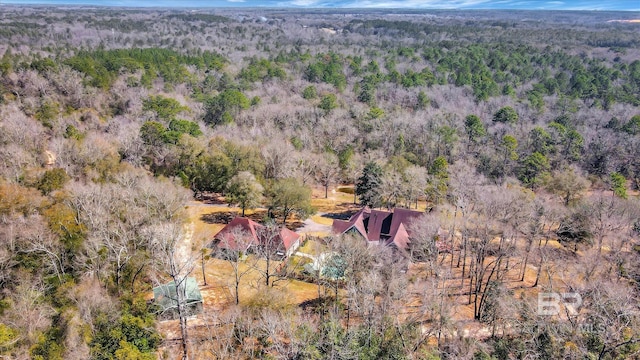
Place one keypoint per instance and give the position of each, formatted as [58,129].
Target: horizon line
[253,6]
[315,5]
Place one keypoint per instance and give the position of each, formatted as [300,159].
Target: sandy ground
[311,226]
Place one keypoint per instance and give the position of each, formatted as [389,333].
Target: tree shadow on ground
[210,198]
[225,217]
[317,304]
[293,225]
[343,215]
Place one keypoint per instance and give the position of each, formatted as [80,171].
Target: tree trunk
[540,246]
[483,292]
[538,273]
[237,292]
[118,270]
[470,280]
[452,235]
[135,276]
[117,279]
[526,261]
[267,273]
[181,295]
[204,274]
[464,256]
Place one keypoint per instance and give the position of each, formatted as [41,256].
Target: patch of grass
[320,234]
[298,262]
[268,298]
[322,220]
[343,197]
[329,206]
[252,287]
[313,247]
[300,291]
[202,231]
[324,205]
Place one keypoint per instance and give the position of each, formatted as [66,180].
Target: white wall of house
[294,246]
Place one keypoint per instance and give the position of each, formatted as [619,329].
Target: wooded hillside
[519,131]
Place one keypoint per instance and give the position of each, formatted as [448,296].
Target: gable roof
[401,237]
[256,235]
[166,295]
[238,227]
[288,237]
[403,216]
[356,220]
[380,225]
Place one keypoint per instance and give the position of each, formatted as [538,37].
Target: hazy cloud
[632,5]
[307,3]
[426,4]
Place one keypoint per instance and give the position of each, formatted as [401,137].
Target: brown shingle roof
[238,227]
[403,216]
[356,220]
[340,226]
[288,237]
[255,235]
[376,225]
[379,224]
[401,237]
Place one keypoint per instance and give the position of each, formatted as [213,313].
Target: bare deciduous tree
[270,251]
[278,161]
[169,242]
[235,248]
[414,184]
[327,170]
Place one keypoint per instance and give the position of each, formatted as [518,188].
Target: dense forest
[518,132]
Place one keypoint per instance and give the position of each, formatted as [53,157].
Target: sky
[623,5]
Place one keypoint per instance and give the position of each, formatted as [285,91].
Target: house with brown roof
[243,235]
[379,226]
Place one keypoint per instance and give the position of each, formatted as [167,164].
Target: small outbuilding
[166,298]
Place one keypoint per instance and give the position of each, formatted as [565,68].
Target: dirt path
[184,246]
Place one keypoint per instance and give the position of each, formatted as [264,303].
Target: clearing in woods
[207,218]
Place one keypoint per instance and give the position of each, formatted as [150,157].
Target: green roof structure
[166,297]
